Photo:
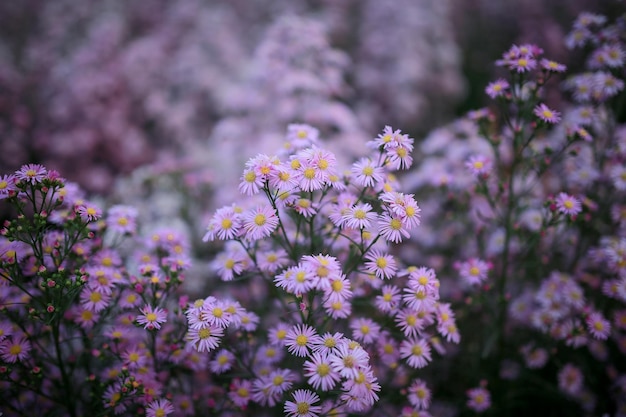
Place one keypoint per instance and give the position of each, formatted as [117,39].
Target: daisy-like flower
[399,157]
[389,300]
[474,271]
[325,268]
[6,329]
[89,212]
[328,342]
[14,349]
[85,318]
[479,165]
[552,66]
[31,173]
[159,408]
[409,322]
[598,326]
[7,185]
[301,136]
[365,330]
[359,216]
[419,395]
[152,318]
[250,183]
[122,219]
[309,176]
[280,380]
[367,173]
[240,392]
[338,290]
[570,379]
[337,308]
[348,359]
[93,300]
[567,204]
[546,114]
[225,224]
[380,264]
[392,228]
[278,334]
[478,399]
[319,372]
[403,205]
[304,207]
[497,88]
[205,339]
[535,358]
[300,338]
[260,222]
[296,279]
[416,352]
[134,357]
[302,404]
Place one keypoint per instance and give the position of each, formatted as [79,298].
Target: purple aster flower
[32,173]
[546,114]
[568,204]
[497,88]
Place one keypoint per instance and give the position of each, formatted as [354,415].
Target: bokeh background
[98,89]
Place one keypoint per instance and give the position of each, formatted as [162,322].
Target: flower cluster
[317,239]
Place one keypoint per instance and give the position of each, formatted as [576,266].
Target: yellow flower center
[303,408]
[260,219]
[417,350]
[323,369]
[309,173]
[250,176]
[204,333]
[301,340]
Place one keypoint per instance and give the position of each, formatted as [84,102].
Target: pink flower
[152,318]
[479,165]
[479,399]
[15,349]
[567,204]
[380,264]
[7,185]
[497,88]
[260,222]
[546,114]
[300,339]
[416,352]
[474,271]
[302,404]
[598,326]
[32,173]
[159,408]
[123,219]
[319,372]
[367,173]
[89,212]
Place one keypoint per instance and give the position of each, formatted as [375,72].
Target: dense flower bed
[481,270]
